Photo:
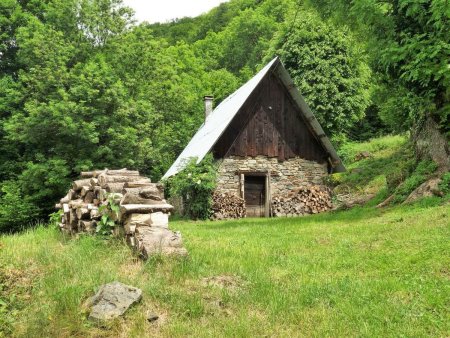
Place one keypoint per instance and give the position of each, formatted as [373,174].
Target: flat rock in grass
[152,241]
[113,300]
[152,317]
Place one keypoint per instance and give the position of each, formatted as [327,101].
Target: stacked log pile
[301,201]
[143,213]
[226,206]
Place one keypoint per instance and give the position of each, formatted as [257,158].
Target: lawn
[363,272]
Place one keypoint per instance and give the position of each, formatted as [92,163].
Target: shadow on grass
[365,171]
[354,215]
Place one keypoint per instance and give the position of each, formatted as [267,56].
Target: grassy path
[363,272]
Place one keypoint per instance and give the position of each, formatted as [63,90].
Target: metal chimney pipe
[208,99]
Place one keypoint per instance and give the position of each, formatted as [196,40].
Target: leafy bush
[422,172]
[444,186]
[55,218]
[109,212]
[16,210]
[195,185]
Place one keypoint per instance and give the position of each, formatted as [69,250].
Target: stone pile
[143,213]
[301,201]
[227,206]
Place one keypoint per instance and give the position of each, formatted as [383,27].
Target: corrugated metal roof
[216,123]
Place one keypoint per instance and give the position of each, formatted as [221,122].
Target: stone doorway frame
[268,195]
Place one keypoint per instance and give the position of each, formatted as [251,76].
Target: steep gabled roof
[217,122]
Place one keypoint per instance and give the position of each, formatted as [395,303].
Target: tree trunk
[431,143]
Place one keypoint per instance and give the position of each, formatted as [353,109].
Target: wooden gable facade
[270,124]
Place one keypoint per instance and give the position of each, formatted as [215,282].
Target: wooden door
[255,195]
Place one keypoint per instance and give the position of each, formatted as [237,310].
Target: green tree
[409,46]
[329,70]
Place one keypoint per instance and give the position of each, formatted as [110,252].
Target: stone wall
[285,176]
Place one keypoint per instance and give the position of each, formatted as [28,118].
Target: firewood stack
[143,215]
[227,206]
[302,201]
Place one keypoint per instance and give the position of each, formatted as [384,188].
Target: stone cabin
[266,139]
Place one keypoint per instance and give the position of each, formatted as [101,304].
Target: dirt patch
[18,281]
[228,282]
[15,292]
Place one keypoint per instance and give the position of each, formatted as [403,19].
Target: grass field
[364,272]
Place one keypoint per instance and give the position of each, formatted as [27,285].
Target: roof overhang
[309,117]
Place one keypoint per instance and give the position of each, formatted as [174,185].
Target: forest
[83,86]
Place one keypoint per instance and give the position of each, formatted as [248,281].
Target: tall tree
[328,68]
[409,44]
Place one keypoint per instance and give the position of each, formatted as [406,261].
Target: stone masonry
[285,176]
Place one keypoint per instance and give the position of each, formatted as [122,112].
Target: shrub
[422,172]
[195,185]
[444,186]
[16,211]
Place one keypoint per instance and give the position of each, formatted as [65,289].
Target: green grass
[391,162]
[364,272]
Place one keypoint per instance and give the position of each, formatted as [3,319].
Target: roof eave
[284,76]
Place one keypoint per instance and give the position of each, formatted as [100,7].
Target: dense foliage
[409,47]
[195,185]
[328,69]
[82,86]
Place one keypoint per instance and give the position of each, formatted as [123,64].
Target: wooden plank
[278,132]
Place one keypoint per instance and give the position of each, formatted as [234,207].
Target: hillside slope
[363,272]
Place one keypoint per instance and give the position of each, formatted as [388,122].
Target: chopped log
[130,228]
[136,199]
[99,172]
[71,195]
[156,189]
[148,195]
[104,179]
[66,208]
[65,199]
[123,172]
[144,208]
[139,219]
[73,218]
[58,206]
[159,219]
[155,240]
[84,190]
[138,184]
[83,213]
[93,182]
[89,197]
[76,203]
[102,194]
[87,174]
[88,226]
[79,184]
[149,192]
[95,214]
[227,206]
[302,200]
[114,187]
